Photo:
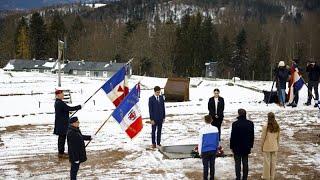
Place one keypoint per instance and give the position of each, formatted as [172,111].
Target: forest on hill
[171,38]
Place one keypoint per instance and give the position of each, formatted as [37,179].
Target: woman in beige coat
[269,145]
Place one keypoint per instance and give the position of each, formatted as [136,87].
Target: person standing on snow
[216,108]
[157,115]
[61,122]
[282,75]
[313,81]
[76,147]
[241,142]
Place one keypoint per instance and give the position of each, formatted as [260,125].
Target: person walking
[157,115]
[216,108]
[241,142]
[76,147]
[61,121]
[208,146]
[313,81]
[270,138]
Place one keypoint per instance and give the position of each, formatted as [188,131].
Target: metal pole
[60,51]
[59,65]
[64,49]
[100,128]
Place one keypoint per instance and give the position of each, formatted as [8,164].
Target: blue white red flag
[128,113]
[296,82]
[116,87]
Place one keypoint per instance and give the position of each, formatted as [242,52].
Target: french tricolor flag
[296,82]
[128,114]
[116,87]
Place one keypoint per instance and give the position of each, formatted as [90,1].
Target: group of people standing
[283,74]
[241,140]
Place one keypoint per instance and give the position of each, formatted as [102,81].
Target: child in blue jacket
[207,146]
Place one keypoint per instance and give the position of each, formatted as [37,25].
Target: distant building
[81,68]
[29,65]
[211,69]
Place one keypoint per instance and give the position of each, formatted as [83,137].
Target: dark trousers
[217,123]
[157,127]
[61,142]
[208,161]
[313,85]
[244,159]
[74,170]
[296,96]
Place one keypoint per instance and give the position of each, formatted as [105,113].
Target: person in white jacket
[207,146]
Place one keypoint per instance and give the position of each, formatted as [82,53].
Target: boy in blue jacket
[207,146]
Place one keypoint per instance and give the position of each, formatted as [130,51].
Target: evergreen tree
[76,31]
[38,37]
[57,31]
[261,62]
[182,58]
[225,56]
[22,48]
[240,55]
[197,65]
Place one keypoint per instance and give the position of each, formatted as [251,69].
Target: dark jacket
[76,147]
[157,110]
[314,72]
[242,136]
[282,77]
[212,107]
[61,121]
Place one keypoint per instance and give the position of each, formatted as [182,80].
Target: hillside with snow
[28,147]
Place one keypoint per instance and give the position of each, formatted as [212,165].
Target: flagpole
[86,101]
[130,60]
[99,128]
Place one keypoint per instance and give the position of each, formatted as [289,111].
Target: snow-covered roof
[22,64]
[49,64]
[9,66]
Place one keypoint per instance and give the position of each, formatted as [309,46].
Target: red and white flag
[128,113]
[116,87]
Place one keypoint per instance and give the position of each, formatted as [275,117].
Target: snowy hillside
[28,147]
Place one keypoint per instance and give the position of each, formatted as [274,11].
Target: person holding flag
[62,120]
[157,115]
[295,83]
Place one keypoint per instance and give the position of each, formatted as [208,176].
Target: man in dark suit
[216,108]
[157,115]
[241,142]
[61,122]
[76,147]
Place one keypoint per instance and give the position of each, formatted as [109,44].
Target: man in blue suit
[157,115]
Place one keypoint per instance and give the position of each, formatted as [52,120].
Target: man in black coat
[61,122]
[157,113]
[216,108]
[76,147]
[241,142]
[313,81]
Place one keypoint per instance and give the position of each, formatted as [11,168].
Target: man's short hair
[207,119]
[156,88]
[216,90]
[242,112]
